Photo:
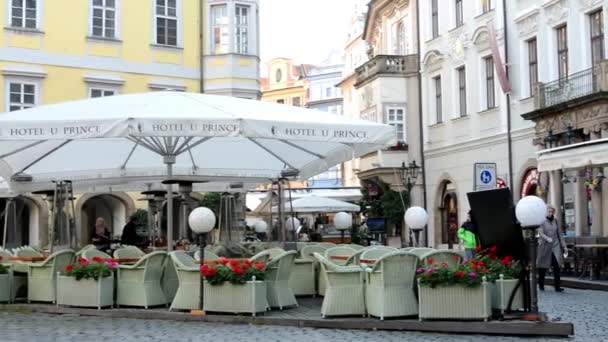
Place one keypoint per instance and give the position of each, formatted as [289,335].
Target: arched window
[400,43]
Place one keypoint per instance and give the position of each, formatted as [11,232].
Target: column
[604,133]
[580,206]
[596,205]
[555,193]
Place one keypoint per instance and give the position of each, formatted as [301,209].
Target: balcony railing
[568,88]
[387,64]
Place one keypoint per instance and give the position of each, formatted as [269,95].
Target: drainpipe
[202,45]
[420,119]
[509,138]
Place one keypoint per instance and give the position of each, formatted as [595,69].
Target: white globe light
[531,211]
[416,217]
[201,220]
[343,221]
[292,223]
[260,227]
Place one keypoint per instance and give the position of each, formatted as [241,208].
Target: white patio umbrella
[315,204]
[202,137]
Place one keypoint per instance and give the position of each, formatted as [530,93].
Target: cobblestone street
[586,309]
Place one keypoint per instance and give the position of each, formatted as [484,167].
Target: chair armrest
[131,267]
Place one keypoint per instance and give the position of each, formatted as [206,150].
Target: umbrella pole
[6,207]
[169,161]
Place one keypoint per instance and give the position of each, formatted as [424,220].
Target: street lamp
[415,218]
[409,174]
[201,220]
[260,228]
[531,212]
[342,222]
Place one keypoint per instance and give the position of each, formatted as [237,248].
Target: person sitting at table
[101,235]
[129,233]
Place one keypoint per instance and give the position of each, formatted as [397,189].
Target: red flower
[460,274]
[493,249]
[1,258]
[506,260]
[444,263]
[233,263]
[480,264]
[430,261]
[238,270]
[493,256]
[246,264]
[68,268]
[478,249]
[83,261]
[475,267]
[223,260]
[97,259]
[455,257]
[485,270]
[208,271]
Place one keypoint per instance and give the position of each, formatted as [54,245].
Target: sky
[304,30]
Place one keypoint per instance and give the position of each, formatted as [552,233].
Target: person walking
[551,246]
[468,234]
[129,233]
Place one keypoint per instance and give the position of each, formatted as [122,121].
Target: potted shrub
[233,286]
[504,274]
[87,283]
[460,292]
[5,283]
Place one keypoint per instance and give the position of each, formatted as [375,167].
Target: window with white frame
[22,95]
[434,18]
[24,13]
[596,28]
[438,100]
[458,12]
[241,18]
[101,92]
[532,65]
[490,95]
[166,22]
[103,18]
[486,6]
[399,38]
[462,91]
[328,92]
[219,22]
[562,51]
[395,118]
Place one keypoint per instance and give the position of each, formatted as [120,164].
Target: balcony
[388,65]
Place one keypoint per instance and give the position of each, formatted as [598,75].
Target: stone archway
[114,208]
[446,208]
[28,222]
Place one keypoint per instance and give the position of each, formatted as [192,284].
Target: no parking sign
[485,176]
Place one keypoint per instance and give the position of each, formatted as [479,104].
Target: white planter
[501,291]
[248,298]
[5,287]
[455,302]
[85,292]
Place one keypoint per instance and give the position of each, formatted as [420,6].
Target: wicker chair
[278,272]
[128,253]
[42,277]
[342,252]
[303,278]
[308,254]
[275,252]
[189,279]
[376,253]
[390,286]
[83,249]
[208,255]
[263,256]
[355,257]
[452,258]
[24,252]
[327,244]
[355,246]
[421,251]
[140,284]
[18,281]
[345,290]
[89,254]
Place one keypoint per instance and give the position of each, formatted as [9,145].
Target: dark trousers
[543,271]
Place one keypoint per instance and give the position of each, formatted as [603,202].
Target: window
[438,107]
[532,65]
[597,36]
[462,91]
[241,22]
[24,14]
[219,20]
[103,18]
[281,101]
[395,119]
[458,13]
[490,97]
[100,92]
[295,101]
[434,18]
[486,6]
[21,96]
[166,22]
[399,39]
[562,51]
[328,92]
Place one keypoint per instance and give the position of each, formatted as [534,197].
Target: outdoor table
[602,252]
[339,257]
[217,261]
[29,259]
[121,260]
[367,261]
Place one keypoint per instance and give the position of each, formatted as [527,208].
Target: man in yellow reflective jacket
[468,234]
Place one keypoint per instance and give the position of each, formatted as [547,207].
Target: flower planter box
[246,298]
[5,288]
[455,302]
[85,292]
[501,291]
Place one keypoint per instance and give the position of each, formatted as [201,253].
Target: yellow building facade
[51,52]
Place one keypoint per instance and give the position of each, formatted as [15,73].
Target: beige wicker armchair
[42,277]
[278,272]
[189,278]
[140,284]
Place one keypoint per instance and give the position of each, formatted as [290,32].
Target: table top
[121,260]
[339,257]
[595,245]
[368,261]
[217,261]
[30,259]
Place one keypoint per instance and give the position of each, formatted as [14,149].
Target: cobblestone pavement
[586,309]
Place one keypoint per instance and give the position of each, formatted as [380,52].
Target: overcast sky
[305,30]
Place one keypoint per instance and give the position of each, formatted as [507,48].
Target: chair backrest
[325,264]
[355,246]
[406,249]
[5,254]
[208,255]
[397,268]
[280,267]
[89,254]
[136,250]
[452,258]
[263,256]
[85,248]
[58,261]
[307,252]
[127,253]
[275,252]
[339,251]
[327,244]
[153,265]
[355,257]
[420,251]
[181,260]
[376,253]
[27,253]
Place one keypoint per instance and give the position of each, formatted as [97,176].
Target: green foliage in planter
[467,274]
[234,272]
[3,269]
[506,266]
[97,268]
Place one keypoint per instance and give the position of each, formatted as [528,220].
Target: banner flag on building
[500,68]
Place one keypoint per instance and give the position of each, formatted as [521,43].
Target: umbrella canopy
[314,204]
[202,136]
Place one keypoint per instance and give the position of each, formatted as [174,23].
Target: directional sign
[485,176]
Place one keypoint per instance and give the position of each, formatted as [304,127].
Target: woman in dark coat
[551,246]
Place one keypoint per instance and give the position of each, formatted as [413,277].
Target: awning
[575,156]
[316,204]
[346,194]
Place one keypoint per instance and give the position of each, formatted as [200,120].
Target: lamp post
[409,174]
[531,212]
[201,221]
[416,218]
[342,222]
